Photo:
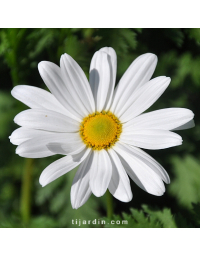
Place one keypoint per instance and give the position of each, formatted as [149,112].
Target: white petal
[69,147]
[52,77]
[163,119]
[46,120]
[112,59]
[80,190]
[148,160]
[138,73]
[100,172]
[77,84]
[22,134]
[119,185]
[35,97]
[143,98]
[62,166]
[33,149]
[100,79]
[36,147]
[185,126]
[140,172]
[151,139]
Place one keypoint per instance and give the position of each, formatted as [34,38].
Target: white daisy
[99,128]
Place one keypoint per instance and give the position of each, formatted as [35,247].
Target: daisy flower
[98,127]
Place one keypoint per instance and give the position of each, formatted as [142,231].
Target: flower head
[98,127]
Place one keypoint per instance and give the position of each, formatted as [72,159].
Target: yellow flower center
[100,130]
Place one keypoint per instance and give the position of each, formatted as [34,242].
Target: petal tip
[13,92]
[126,199]
[18,151]
[152,56]
[97,192]
[16,119]
[42,183]
[75,206]
[41,65]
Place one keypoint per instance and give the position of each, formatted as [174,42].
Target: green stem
[15,37]
[26,191]
[109,204]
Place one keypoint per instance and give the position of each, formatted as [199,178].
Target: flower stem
[109,204]
[16,36]
[26,191]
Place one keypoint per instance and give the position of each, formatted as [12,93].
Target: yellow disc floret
[100,130]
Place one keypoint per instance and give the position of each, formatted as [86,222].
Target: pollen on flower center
[100,130]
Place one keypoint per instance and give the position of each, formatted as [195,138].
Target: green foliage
[196,213]
[194,33]
[145,218]
[149,217]
[60,205]
[6,113]
[185,186]
[178,52]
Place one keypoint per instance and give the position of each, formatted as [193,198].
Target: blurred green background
[24,203]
